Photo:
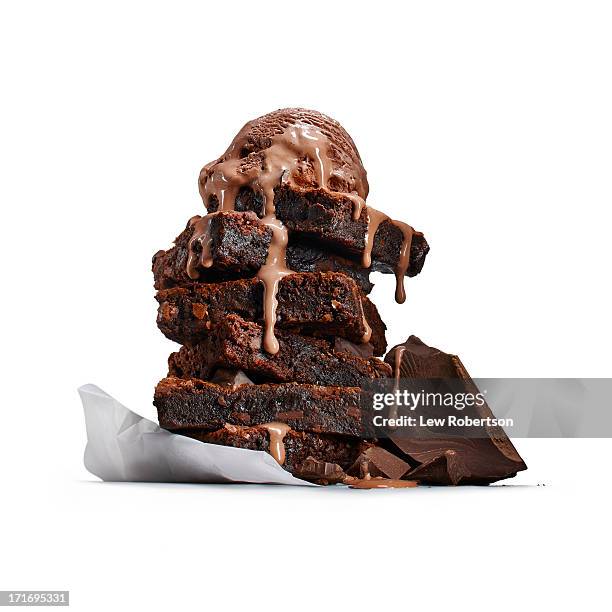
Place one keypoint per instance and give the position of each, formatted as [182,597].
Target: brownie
[195,404]
[300,446]
[328,218]
[304,256]
[239,243]
[239,247]
[237,344]
[315,303]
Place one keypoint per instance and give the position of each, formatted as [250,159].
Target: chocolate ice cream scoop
[316,152]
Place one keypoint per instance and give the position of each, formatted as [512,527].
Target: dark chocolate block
[320,471]
[195,404]
[446,468]
[451,460]
[301,448]
[237,344]
[239,247]
[321,303]
[328,217]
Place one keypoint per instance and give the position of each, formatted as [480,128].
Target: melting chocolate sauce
[380,483]
[398,353]
[277,432]
[199,257]
[374,219]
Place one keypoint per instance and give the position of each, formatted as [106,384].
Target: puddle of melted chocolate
[380,483]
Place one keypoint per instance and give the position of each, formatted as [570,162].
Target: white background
[487,125]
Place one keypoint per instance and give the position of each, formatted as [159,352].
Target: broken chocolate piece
[476,460]
[375,462]
[444,469]
[319,471]
[232,378]
[360,350]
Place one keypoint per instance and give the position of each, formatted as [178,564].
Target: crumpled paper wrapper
[122,446]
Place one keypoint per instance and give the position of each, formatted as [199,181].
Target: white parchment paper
[123,446]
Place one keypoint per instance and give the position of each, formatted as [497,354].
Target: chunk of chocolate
[360,350]
[319,471]
[445,469]
[231,378]
[375,462]
[479,460]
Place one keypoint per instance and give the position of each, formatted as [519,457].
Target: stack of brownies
[267,294]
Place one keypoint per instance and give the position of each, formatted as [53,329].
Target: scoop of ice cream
[315,150]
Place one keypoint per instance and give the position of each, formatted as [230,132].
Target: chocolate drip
[358,204]
[374,219]
[367,334]
[270,274]
[201,236]
[277,432]
[398,353]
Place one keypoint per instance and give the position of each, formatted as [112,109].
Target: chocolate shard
[360,350]
[445,469]
[322,472]
[481,461]
[230,377]
[484,459]
[422,361]
[375,461]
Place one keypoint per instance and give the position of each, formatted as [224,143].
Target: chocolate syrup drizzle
[276,435]
[398,354]
[286,154]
